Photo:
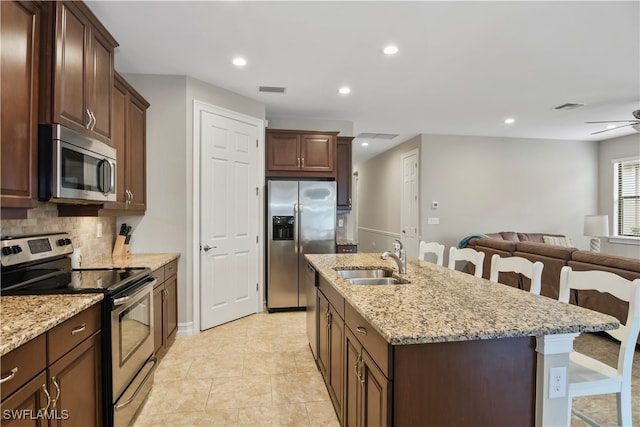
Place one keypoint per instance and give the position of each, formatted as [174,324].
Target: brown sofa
[532,247]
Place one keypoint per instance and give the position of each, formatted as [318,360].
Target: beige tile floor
[258,371]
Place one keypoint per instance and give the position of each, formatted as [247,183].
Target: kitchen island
[445,349]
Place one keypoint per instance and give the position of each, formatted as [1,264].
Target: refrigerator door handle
[295,227]
[299,227]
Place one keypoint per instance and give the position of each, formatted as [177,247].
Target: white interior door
[229,219]
[410,206]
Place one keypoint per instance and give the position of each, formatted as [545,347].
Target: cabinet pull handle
[88,125]
[303,162]
[55,401]
[94,121]
[357,367]
[12,374]
[46,392]
[79,329]
[362,330]
[298,161]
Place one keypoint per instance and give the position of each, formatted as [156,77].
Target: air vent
[568,106]
[272,89]
[376,135]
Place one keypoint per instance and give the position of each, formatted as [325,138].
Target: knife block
[120,250]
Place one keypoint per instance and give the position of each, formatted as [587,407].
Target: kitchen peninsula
[447,348]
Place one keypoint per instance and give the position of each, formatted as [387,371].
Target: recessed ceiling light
[344,90]
[364,144]
[611,126]
[390,50]
[509,120]
[239,61]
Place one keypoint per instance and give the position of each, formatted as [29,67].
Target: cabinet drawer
[336,300]
[20,365]
[371,340]
[72,332]
[171,269]
[159,274]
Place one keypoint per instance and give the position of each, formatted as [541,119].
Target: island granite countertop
[440,304]
[153,261]
[24,317]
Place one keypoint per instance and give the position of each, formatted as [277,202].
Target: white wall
[168,223]
[488,184]
[343,126]
[379,198]
[610,150]
[483,184]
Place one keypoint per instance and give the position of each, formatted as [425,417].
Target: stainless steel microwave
[73,167]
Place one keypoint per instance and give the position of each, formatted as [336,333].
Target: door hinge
[257,191]
[256,239]
[256,287]
[256,142]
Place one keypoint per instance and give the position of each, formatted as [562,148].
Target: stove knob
[61,242]
[6,250]
[67,241]
[16,249]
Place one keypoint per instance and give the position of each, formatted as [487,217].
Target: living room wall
[482,184]
[490,184]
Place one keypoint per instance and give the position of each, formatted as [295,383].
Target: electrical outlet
[557,382]
[340,222]
[98,230]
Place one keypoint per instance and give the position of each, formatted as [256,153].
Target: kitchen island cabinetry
[59,370]
[343,175]
[165,307]
[446,348]
[20,39]
[300,154]
[331,343]
[80,75]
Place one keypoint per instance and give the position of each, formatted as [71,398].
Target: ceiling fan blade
[617,127]
[615,121]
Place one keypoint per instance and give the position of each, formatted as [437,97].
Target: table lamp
[596,226]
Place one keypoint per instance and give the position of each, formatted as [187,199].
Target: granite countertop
[153,261]
[25,317]
[441,305]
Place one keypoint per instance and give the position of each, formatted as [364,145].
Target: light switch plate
[433,221]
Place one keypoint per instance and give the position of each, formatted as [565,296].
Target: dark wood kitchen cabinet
[300,154]
[343,175]
[331,343]
[20,59]
[63,363]
[79,72]
[165,307]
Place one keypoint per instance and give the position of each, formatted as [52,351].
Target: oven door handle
[153,359]
[124,299]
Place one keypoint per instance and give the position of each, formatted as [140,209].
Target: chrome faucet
[399,255]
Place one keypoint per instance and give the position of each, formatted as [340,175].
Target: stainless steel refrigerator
[301,219]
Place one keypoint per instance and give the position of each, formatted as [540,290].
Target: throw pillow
[558,241]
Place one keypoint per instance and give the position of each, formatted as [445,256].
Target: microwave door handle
[106,176]
[112,176]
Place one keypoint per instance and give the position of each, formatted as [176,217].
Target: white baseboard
[185,329]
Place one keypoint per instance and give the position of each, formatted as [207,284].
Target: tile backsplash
[82,230]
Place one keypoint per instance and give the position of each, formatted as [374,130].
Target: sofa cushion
[557,241]
[501,245]
[509,235]
[535,237]
[543,249]
[614,262]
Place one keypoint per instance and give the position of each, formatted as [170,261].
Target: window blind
[628,198]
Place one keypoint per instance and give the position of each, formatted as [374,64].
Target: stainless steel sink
[376,281]
[370,276]
[364,273]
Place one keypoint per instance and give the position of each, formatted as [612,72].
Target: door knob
[208,248]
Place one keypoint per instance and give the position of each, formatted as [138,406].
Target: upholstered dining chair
[520,265]
[589,376]
[431,248]
[469,255]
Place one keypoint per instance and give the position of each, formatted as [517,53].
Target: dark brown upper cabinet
[300,154]
[79,72]
[20,55]
[343,176]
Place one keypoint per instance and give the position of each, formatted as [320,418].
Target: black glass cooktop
[83,281]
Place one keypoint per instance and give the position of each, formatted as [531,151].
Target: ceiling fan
[636,114]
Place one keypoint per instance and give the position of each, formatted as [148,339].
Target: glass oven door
[131,335]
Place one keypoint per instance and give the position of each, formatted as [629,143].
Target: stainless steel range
[40,265]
